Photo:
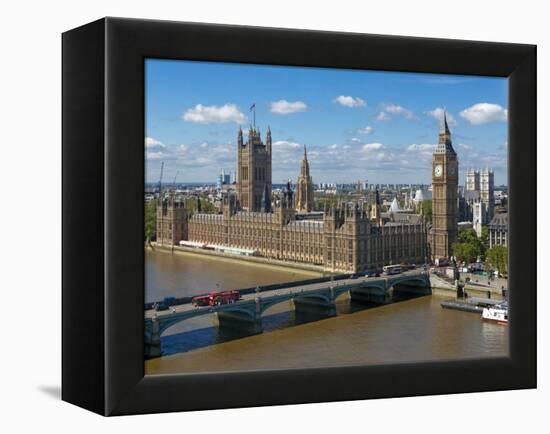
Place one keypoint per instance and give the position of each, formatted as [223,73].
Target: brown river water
[409,330]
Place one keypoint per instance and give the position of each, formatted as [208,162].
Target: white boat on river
[497,313]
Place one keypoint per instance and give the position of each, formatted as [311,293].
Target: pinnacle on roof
[445,143]
[445,125]
[394,207]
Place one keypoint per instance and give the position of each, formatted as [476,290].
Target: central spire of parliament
[304,187]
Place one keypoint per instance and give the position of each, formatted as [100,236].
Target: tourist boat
[497,313]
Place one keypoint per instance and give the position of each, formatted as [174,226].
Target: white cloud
[284,107]
[483,113]
[463,146]
[389,110]
[285,144]
[154,149]
[150,142]
[214,115]
[355,140]
[350,101]
[153,155]
[398,111]
[369,147]
[424,147]
[437,114]
[221,149]
[366,130]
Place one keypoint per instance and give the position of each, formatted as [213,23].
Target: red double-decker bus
[216,298]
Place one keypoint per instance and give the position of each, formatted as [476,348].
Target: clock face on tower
[438,171]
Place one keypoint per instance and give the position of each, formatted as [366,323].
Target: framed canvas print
[263,216]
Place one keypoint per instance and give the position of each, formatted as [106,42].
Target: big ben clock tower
[444,194]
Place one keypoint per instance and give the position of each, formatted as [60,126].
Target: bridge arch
[168,321]
[267,306]
[165,323]
[417,284]
[420,279]
[377,287]
[322,297]
[325,298]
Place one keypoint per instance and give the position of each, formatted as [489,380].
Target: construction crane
[175,176]
[160,180]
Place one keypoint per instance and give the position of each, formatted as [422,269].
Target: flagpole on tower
[253,109]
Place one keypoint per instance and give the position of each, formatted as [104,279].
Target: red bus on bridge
[216,298]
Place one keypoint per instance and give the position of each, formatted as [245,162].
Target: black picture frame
[103,178]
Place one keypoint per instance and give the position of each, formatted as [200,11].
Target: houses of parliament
[348,237]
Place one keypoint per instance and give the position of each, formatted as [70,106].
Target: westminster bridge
[319,297]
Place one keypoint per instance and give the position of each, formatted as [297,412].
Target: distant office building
[223,179]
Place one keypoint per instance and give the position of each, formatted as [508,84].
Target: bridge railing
[271,287]
[252,289]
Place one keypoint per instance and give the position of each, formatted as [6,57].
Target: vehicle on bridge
[216,298]
[407,267]
[392,269]
[164,304]
[440,262]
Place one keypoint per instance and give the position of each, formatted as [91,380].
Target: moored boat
[497,313]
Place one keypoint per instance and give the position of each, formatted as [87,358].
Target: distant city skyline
[373,126]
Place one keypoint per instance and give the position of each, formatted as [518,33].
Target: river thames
[408,330]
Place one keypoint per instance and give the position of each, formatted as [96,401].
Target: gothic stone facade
[344,239]
[480,187]
[444,195]
[498,230]
[172,220]
[304,187]
[253,170]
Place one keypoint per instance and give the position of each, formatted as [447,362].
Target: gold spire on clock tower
[444,194]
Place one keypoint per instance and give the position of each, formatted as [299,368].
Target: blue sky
[357,125]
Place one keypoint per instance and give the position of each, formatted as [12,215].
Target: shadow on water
[204,337]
